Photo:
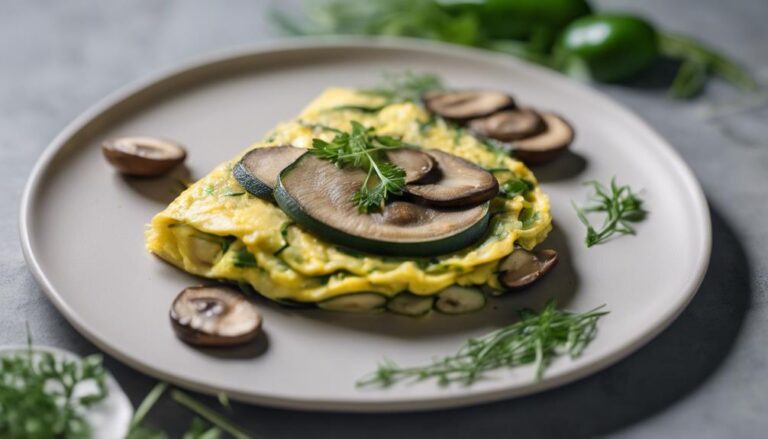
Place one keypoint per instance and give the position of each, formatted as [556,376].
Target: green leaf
[361,148]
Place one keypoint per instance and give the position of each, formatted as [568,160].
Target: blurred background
[694,69]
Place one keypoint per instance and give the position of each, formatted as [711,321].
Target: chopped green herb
[537,339]
[209,189]
[244,258]
[284,234]
[621,207]
[231,193]
[360,108]
[514,187]
[361,148]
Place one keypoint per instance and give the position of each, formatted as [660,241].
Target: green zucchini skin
[252,184]
[411,305]
[355,302]
[460,300]
[448,244]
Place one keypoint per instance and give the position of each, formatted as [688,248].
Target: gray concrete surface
[704,377]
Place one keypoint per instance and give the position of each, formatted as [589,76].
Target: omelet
[217,230]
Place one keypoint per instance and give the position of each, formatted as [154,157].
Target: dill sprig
[39,396]
[537,338]
[620,205]
[361,148]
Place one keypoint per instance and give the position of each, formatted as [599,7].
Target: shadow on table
[672,366]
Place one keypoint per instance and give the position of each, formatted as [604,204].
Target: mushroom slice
[417,164]
[461,106]
[509,125]
[214,316]
[257,171]
[318,196]
[143,156]
[522,267]
[460,183]
[544,147]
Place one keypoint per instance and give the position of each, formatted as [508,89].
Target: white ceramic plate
[82,230]
[107,418]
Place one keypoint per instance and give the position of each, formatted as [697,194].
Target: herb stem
[209,414]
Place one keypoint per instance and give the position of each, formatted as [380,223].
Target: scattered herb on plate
[361,148]
[621,207]
[537,339]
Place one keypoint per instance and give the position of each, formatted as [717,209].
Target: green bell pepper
[606,48]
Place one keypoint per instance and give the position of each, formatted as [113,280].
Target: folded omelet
[217,230]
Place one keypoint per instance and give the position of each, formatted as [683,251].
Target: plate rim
[34,182]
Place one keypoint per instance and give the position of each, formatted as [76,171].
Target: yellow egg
[216,230]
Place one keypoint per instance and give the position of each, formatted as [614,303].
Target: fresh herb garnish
[41,395]
[361,148]
[621,207]
[537,338]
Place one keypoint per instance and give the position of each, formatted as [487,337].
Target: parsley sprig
[537,338]
[621,207]
[362,148]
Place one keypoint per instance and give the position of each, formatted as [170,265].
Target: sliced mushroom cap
[458,183]
[461,106]
[417,164]
[509,125]
[547,145]
[522,267]
[257,171]
[214,316]
[143,156]
[318,196]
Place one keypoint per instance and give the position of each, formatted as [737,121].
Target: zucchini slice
[357,302]
[318,196]
[409,304]
[459,300]
[258,170]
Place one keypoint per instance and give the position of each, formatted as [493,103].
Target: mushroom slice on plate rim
[142,156]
